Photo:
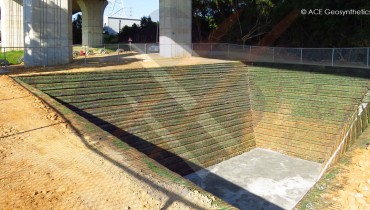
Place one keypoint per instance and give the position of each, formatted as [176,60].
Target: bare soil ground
[127,60]
[347,184]
[44,165]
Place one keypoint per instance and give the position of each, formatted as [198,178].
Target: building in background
[113,25]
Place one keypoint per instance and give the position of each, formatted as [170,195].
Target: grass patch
[162,171]
[332,174]
[90,127]
[314,199]
[65,110]
[309,201]
[12,56]
[344,160]
[121,144]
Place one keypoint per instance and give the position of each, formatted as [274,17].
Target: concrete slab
[259,179]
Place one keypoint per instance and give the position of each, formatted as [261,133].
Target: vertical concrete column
[48,32]
[12,24]
[92,21]
[175,28]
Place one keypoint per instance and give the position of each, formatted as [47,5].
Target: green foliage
[110,39]
[12,56]
[145,33]
[162,171]
[331,174]
[121,144]
[77,29]
[258,17]
[211,22]
[90,127]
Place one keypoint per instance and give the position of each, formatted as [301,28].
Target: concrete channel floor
[259,179]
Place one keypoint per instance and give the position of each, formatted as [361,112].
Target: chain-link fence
[83,54]
[346,57]
[119,53]
[112,53]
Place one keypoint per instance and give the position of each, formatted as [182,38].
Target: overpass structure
[43,28]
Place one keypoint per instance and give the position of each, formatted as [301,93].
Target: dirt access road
[45,165]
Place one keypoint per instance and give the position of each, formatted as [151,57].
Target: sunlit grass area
[13,57]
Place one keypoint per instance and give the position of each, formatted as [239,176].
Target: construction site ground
[346,185]
[44,164]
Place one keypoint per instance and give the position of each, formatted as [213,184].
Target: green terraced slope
[183,117]
[192,117]
[303,113]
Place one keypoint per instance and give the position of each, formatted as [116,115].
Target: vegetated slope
[184,117]
[45,165]
[304,113]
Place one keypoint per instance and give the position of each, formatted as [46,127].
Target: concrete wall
[48,32]
[175,28]
[12,23]
[47,24]
[92,23]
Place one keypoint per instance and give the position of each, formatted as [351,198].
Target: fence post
[301,55]
[332,57]
[273,54]
[367,61]
[146,52]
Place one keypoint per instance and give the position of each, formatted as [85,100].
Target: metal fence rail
[342,57]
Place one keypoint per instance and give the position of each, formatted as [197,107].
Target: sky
[136,9]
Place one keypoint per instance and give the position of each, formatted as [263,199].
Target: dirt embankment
[347,184]
[353,182]
[44,165]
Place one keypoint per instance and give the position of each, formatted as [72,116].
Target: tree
[145,33]
[77,29]
[250,21]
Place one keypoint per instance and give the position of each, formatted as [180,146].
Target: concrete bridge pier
[43,28]
[47,32]
[92,23]
[175,28]
[12,24]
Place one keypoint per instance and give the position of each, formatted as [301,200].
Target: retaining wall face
[186,118]
[302,113]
